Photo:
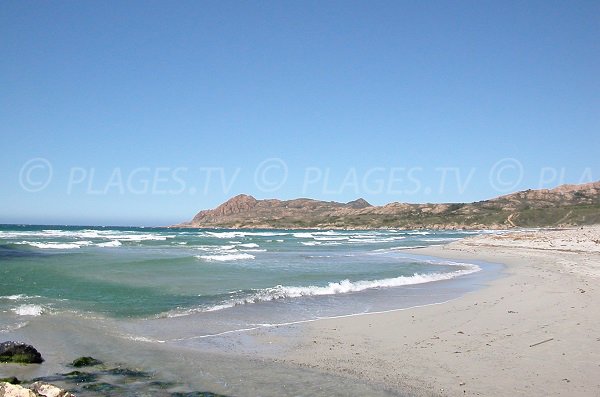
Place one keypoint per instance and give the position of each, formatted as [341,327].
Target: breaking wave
[225,257]
[29,310]
[335,288]
[56,245]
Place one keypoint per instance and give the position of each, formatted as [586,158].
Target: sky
[145,112]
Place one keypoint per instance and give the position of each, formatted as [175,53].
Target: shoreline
[486,342]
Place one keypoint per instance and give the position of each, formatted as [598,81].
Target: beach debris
[581,290]
[47,390]
[460,332]
[86,361]
[10,390]
[17,352]
[512,312]
[539,343]
[462,384]
[566,380]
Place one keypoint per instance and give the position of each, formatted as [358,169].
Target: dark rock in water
[131,373]
[159,384]
[12,379]
[16,352]
[80,377]
[85,362]
[103,388]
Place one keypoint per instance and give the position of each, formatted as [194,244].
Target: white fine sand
[483,343]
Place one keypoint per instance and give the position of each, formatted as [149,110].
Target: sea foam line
[297,322]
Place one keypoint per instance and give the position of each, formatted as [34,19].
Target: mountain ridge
[565,205]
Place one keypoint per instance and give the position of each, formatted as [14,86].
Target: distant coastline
[564,206]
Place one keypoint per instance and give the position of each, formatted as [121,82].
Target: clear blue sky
[144,112]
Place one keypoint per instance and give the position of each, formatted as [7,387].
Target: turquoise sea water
[160,292]
[145,273]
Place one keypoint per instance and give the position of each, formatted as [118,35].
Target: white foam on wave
[114,243]
[303,235]
[88,234]
[346,286]
[236,234]
[138,237]
[399,248]
[18,297]
[339,287]
[249,245]
[226,257]
[56,245]
[29,310]
[376,239]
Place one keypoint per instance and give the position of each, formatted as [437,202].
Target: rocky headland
[567,205]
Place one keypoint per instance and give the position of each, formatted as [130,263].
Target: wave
[376,240]
[249,245]
[225,257]
[88,234]
[303,235]
[346,286]
[13,327]
[400,248]
[56,245]
[230,235]
[334,288]
[139,237]
[19,297]
[309,243]
[29,310]
[114,243]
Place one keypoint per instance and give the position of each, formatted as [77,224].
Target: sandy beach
[535,331]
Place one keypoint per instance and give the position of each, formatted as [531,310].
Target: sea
[183,304]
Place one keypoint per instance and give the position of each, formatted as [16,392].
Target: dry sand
[535,331]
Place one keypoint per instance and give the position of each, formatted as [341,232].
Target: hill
[566,205]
